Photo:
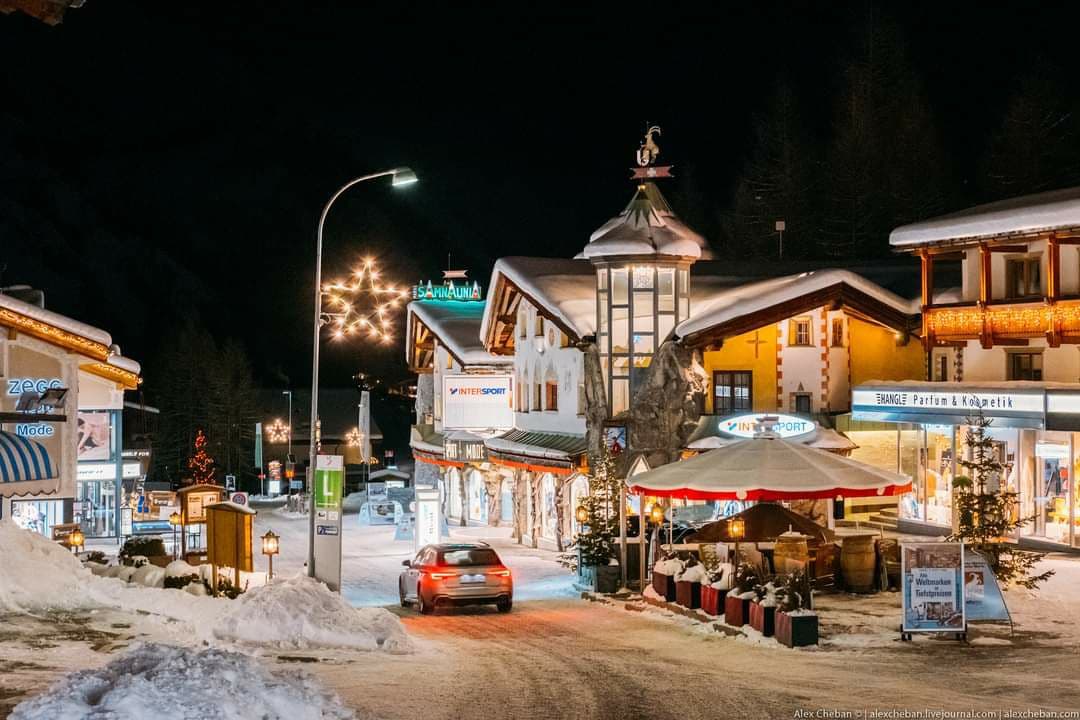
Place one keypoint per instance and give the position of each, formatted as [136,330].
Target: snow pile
[300,612]
[159,679]
[36,572]
[692,574]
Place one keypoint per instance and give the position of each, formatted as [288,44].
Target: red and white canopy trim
[768,469]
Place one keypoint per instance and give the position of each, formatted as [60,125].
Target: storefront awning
[554,452]
[23,461]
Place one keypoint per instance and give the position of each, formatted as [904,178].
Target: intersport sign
[475,402]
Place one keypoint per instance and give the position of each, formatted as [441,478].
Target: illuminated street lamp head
[736,528]
[403,176]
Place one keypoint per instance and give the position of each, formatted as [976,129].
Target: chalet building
[61,419]
[1007,341]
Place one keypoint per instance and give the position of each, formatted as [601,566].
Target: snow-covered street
[556,655]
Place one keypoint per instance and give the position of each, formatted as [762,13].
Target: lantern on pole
[736,531]
[581,514]
[270,547]
[656,514]
[174,521]
[76,539]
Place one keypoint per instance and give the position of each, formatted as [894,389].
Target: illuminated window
[800,332]
[1023,277]
[838,332]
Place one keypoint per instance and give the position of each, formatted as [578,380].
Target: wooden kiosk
[194,500]
[229,533]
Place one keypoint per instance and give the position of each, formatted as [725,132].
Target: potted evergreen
[796,621]
[763,609]
[150,547]
[663,576]
[715,589]
[688,584]
[598,570]
[737,601]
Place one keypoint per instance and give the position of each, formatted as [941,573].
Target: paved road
[575,659]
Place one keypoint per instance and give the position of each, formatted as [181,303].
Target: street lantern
[174,522]
[270,549]
[582,514]
[656,514]
[736,531]
[76,539]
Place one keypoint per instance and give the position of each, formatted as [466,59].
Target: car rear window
[468,556]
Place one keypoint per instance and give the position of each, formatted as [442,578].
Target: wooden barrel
[857,562]
[791,553]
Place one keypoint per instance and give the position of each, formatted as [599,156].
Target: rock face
[665,410]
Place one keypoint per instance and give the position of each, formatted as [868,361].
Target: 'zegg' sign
[17,386]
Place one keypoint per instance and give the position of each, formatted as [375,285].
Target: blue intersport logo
[478,391]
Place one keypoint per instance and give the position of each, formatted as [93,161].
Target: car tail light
[501,572]
[438,575]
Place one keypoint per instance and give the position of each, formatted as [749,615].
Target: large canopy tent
[767,468]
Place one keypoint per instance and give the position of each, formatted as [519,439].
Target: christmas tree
[201,464]
[597,539]
[986,511]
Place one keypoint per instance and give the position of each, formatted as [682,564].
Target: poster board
[329,483]
[427,517]
[932,587]
[983,599]
[229,532]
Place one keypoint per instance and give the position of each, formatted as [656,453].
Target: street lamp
[174,521]
[76,539]
[289,426]
[656,514]
[398,177]
[270,549]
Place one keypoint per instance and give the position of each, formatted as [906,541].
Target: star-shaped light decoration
[277,432]
[354,437]
[363,305]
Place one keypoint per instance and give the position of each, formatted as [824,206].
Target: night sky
[165,159]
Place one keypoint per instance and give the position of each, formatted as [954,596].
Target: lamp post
[270,549]
[174,520]
[399,177]
[76,539]
[289,426]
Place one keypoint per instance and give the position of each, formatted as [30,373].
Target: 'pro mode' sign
[475,402]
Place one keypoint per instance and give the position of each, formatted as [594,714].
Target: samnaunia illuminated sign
[447,291]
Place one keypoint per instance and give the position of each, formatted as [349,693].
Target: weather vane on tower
[647,153]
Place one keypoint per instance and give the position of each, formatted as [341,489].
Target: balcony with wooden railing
[1011,321]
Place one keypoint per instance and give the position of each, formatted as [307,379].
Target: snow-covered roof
[125,363]
[565,289]
[457,326]
[647,226]
[56,320]
[1043,212]
[736,301]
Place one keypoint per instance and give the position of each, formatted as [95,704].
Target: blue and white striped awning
[24,460]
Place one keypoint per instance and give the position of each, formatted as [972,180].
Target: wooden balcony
[1009,322]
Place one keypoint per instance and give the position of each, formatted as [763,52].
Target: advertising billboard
[475,402]
[932,587]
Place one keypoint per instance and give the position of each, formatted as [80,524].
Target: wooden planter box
[796,630]
[688,594]
[736,610]
[763,619]
[712,600]
[599,578]
[664,585]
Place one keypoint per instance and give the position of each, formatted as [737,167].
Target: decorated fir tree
[201,464]
[597,539]
[986,510]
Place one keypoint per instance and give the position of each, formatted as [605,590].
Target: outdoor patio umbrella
[767,468]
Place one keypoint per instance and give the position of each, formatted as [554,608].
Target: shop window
[620,395]
[551,393]
[800,332]
[838,332]
[1023,277]
[732,391]
[1025,366]
[802,403]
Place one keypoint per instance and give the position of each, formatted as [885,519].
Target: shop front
[1033,427]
